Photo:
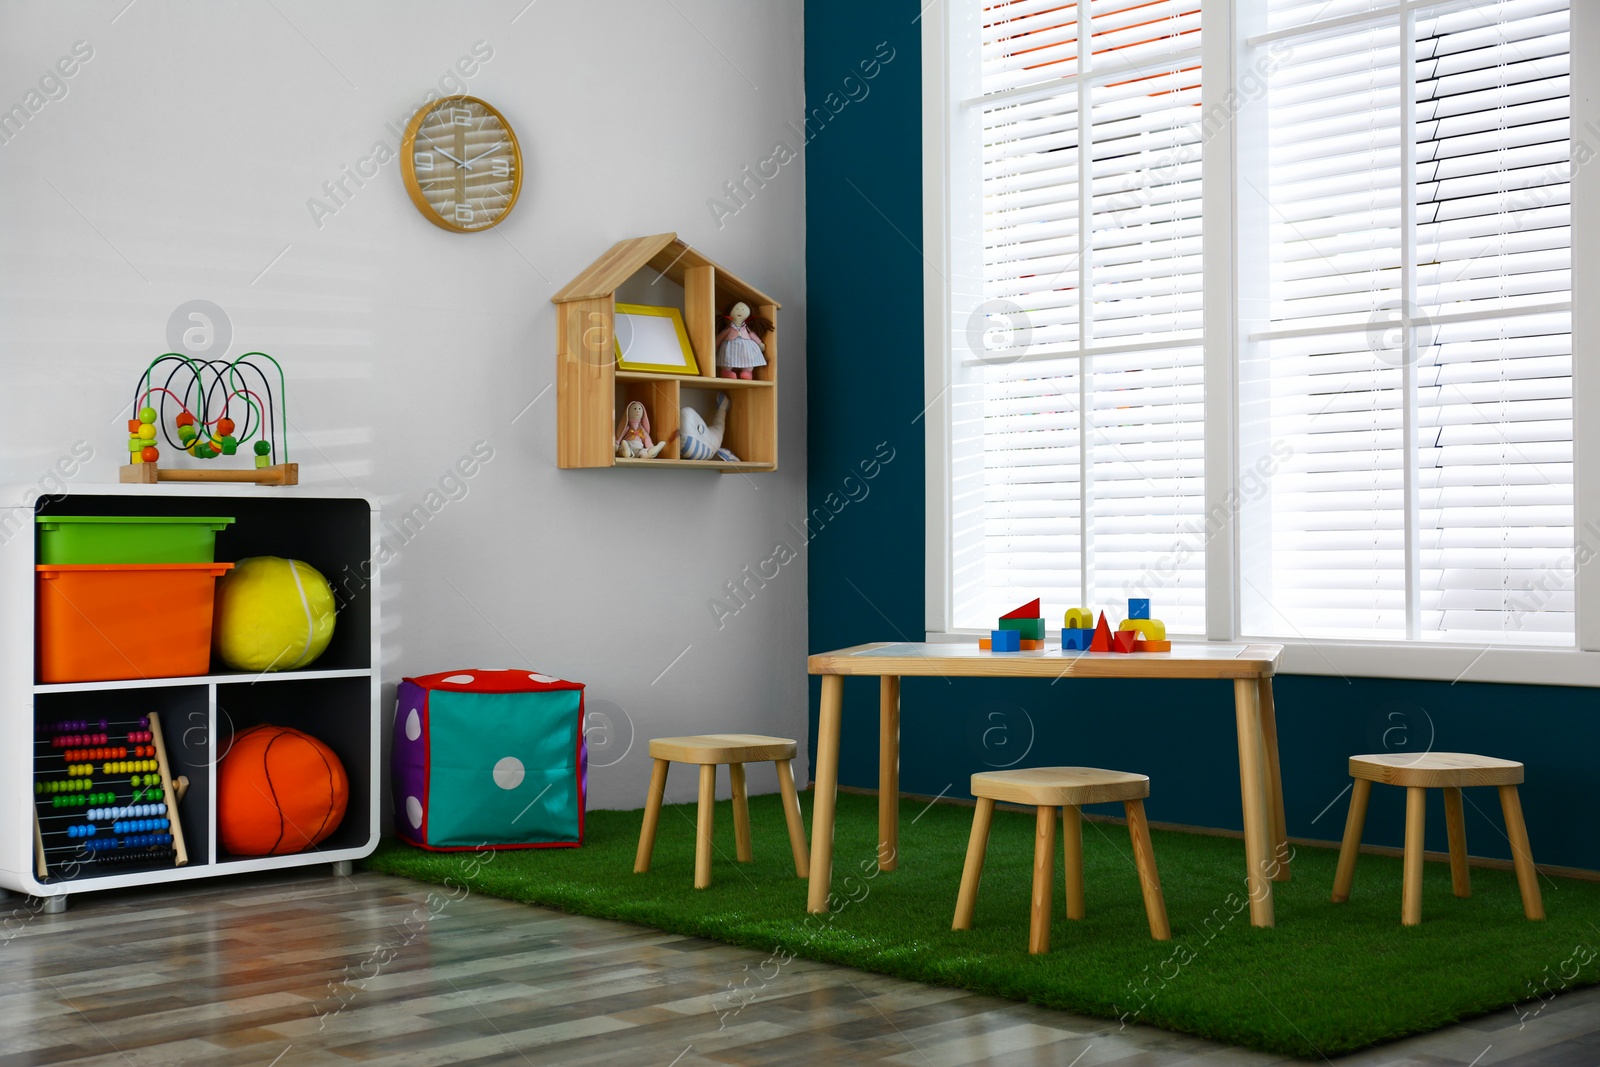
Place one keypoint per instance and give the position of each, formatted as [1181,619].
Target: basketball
[278,791]
[272,614]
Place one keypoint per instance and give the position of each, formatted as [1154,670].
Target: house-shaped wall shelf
[592,392]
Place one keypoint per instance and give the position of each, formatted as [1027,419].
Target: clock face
[462,165]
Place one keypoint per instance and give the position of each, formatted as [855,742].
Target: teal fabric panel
[503,768]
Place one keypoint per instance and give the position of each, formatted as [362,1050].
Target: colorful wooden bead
[225,426]
[263,448]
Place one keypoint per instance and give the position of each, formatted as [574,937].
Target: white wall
[178,163]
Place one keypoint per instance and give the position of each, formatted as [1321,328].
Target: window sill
[1430,662]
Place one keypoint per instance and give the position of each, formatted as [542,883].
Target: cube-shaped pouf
[489,758]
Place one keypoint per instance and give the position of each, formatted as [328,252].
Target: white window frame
[1222,46]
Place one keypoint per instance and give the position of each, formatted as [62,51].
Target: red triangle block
[1030,610]
[1102,636]
[1123,640]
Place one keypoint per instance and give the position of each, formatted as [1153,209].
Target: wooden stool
[1450,771]
[1068,788]
[709,750]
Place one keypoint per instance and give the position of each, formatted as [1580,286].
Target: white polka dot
[509,772]
[460,679]
[413,725]
[414,812]
[545,678]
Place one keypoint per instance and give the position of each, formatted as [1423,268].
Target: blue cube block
[1138,609]
[1076,640]
[1005,641]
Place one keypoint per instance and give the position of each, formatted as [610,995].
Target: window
[1287,348]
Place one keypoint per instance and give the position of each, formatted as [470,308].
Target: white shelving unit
[335,700]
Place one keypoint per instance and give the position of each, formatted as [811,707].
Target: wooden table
[1249,666]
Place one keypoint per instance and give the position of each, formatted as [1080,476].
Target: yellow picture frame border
[690,367]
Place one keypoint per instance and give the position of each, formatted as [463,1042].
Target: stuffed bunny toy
[633,434]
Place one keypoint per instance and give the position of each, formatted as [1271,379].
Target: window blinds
[1415,365]
[1088,415]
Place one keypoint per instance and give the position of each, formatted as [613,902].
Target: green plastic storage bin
[77,539]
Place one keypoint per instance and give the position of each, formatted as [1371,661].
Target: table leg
[1278,836]
[888,773]
[827,792]
[1253,788]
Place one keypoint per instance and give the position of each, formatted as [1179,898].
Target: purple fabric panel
[409,762]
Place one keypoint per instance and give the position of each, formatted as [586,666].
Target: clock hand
[492,148]
[458,162]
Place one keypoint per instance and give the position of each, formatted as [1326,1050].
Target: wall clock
[461,163]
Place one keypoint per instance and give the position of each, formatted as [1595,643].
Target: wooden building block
[1138,608]
[1122,640]
[1152,646]
[1030,629]
[1005,641]
[1076,639]
[1101,641]
[985,645]
[1030,610]
[1148,629]
[1078,619]
[1032,646]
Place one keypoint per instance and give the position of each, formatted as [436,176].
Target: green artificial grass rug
[1327,979]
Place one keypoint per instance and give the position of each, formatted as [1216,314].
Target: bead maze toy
[104,794]
[208,394]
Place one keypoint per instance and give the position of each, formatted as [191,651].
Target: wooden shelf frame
[591,393]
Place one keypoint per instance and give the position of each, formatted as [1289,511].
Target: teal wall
[864,375]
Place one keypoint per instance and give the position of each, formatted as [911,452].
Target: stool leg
[1072,858]
[741,813]
[1044,870]
[1144,858]
[1455,821]
[702,841]
[1351,847]
[967,899]
[791,815]
[1521,853]
[652,817]
[1411,879]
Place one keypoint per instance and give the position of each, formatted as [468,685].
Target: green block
[1031,629]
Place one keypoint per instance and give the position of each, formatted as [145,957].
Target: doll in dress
[633,434]
[741,346]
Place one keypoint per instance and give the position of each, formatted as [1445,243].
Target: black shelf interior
[333,535]
[336,711]
[183,715]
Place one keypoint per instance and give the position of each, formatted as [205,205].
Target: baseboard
[1488,863]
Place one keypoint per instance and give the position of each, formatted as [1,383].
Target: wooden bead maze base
[151,473]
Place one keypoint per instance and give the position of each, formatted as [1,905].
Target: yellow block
[1151,629]
[1078,619]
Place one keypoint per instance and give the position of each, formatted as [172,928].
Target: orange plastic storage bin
[108,621]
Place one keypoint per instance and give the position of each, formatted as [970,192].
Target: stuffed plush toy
[700,441]
[633,434]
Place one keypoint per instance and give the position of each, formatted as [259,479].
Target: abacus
[104,794]
[207,394]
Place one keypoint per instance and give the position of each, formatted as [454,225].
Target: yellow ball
[272,614]
[147,432]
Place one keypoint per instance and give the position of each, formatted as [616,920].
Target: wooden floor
[311,969]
